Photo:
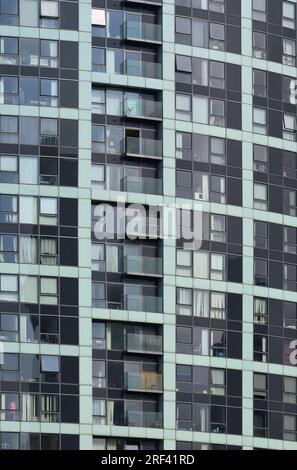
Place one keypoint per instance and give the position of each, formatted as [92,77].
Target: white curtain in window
[185,297]
[48,205]
[28,289]
[112,258]
[110,412]
[217,377]
[200,109]
[218,223]
[201,303]
[260,306]
[29,170]
[98,17]
[28,249]
[201,265]
[218,300]
[28,210]
[114,103]
[48,286]
[29,407]
[49,8]
[48,246]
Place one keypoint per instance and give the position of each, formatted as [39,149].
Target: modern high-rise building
[138,342]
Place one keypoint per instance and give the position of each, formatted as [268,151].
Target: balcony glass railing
[144,109]
[143,265]
[143,147]
[143,303]
[144,419]
[138,31]
[144,381]
[132,184]
[151,344]
[138,68]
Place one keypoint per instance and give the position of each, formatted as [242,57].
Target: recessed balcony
[140,68]
[143,266]
[143,148]
[143,109]
[144,419]
[142,32]
[143,303]
[148,382]
[134,184]
[143,344]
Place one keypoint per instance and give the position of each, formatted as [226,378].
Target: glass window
[260,386]
[183,25]
[98,100]
[48,53]
[29,51]
[217,382]
[289,52]
[50,364]
[9,287]
[260,311]
[8,169]
[28,210]
[217,229]
[290,390]
[98,295]
[260,235]
[217,113]
[183,63]
[29,91]
[29,170]
[260,158]
[289,14]
[217,74]
[183,263]
[28,289]
[259,121]
[9,50]
[98,17]
[48,211]
[9,130]
[48,290]
[260,83]
[259,45]
[259,10]
[49,8]
[98,59]
[184,301]
[48,92]
[98,176]
[98,138]
[217,36]
[289,127]
[260,196]
[183,107]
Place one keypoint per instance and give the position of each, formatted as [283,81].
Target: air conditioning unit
[199,196]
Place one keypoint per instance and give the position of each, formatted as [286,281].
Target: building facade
[139,343]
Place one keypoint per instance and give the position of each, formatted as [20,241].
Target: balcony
[143,382]
[143,266]
[143,148]
[144,419]
[144,344]
[143,109]
[138,68]
[132,184]
[144,32]
[143,303]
